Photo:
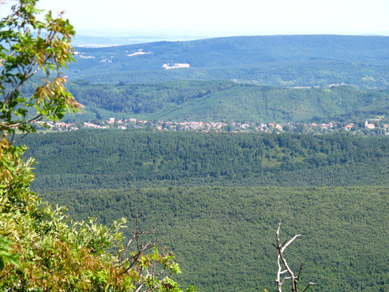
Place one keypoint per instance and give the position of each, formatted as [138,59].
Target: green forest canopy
[215,200]
[121,159]
[223,236]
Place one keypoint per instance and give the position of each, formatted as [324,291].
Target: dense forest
[223,236]
[216,198]
[117,159]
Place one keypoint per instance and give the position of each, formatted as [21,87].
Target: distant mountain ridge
[287,59]
[94,40]
[248,50]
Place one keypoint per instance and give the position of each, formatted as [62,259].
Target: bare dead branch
[140,287]
[300,270]
[290,241]
[281,262]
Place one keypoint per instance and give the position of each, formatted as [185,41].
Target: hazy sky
[224,17]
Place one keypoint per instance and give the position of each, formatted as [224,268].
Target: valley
[229,137]
[148,159]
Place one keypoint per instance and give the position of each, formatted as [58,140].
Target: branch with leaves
[284,272]
[154,268]
[30,47]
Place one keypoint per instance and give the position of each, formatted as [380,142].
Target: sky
[222,17]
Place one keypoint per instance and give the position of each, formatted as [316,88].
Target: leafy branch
[27,47]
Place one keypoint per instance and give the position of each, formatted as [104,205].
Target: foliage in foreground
[41,248]
[29,46]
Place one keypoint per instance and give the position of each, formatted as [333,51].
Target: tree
[283,266]
[40,247]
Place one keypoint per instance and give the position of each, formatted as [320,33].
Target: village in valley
[373,126]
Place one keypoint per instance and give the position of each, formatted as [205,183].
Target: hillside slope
[226,101]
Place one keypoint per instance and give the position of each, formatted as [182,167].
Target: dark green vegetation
[223,236]
[308,60]
[117,159]
[215,200]
[227,101]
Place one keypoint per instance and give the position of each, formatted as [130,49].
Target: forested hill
[299,60]
[227,101]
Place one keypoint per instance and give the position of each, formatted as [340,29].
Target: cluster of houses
[133,123]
